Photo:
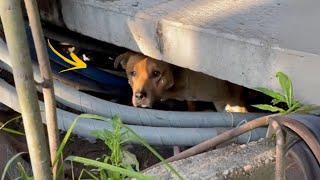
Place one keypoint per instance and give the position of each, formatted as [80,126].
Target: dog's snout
[140,95]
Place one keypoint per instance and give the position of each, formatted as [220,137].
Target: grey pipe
[138,116]
[153,135]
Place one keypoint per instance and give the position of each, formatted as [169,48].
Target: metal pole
[11,16]
[279,173]
[46,73]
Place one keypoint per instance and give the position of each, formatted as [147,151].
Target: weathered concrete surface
[243,41]
[253,161]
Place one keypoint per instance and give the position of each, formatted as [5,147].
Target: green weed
[120,164]
[285,97]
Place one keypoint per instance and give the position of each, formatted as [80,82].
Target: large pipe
[13,24]
[153,135]
[47,81]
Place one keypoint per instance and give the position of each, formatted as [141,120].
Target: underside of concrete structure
[242,41]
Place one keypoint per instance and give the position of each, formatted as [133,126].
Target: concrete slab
[253,161]
[242,41]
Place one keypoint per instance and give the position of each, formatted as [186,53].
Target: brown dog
[153,80]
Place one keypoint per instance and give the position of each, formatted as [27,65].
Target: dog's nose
[140,95]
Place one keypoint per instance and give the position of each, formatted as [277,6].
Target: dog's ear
[167,80]
[122,59]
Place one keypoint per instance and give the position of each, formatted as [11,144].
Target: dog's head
[148,78]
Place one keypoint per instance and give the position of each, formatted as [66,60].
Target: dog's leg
[236,108]
[191,106]
[222,106]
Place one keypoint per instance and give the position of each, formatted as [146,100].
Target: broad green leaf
[287,88]
[275,101]
[268,107]
[9,163]
[90,162]
[269,92]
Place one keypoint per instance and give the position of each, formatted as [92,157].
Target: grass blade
[287,88]
[106,166]
[6,123]
[88,173]
[154,152]
[60,172]
[23,172]
[12,131]
[65,140]
[9,163]
[267,107]
[2,126]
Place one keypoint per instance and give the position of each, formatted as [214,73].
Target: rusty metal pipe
[305,134]
[279,169]
[12,19]
[46,73]
[263,121]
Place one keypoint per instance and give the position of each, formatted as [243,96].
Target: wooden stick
[46,73]
[11,16]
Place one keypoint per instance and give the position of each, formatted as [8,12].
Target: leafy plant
[121,164]
[285,97]
[119,157]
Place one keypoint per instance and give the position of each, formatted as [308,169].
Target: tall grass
[120,164]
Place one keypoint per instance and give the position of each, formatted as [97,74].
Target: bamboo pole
[46,73]
[11,16]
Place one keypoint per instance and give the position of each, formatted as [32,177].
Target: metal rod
[46,73]
[11,16]
[263,121]
[279,172]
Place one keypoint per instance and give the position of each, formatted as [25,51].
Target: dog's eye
[132,73]
[156,73]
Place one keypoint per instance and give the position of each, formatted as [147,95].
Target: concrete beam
[242,41]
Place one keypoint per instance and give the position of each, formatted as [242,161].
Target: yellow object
[76,61]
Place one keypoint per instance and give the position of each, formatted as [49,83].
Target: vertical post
[46,73]
[11,16]
[279,169]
